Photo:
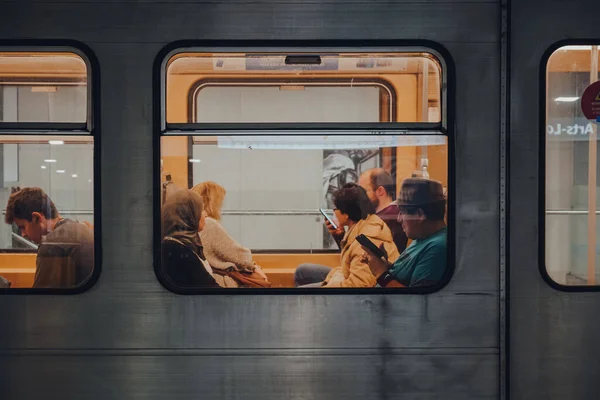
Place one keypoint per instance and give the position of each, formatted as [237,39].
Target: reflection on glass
[50,212]
[571,169]
[304,88]
[263,195]
[42,87]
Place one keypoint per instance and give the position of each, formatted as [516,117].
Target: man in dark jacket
[65,256]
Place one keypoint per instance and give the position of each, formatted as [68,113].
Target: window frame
[542,166]
[91,127]
[445,127]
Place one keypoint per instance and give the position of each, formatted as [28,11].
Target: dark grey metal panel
[276,377]
[129,309]
[554,335]
[477,166]
[164,320]
[339,3]
[443,345]
[166,22]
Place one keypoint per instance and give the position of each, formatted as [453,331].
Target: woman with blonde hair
[223,253]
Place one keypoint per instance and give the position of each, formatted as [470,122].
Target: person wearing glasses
[354,211]
[422,206]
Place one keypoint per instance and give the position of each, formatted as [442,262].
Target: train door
[553,231]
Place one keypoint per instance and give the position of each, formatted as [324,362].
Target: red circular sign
[590,102]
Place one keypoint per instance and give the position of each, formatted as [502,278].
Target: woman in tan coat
[353,210]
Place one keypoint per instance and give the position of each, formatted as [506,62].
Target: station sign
[569,129]
[590,102]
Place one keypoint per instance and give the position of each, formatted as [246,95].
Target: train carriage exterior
[501,324]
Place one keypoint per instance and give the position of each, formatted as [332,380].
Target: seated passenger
[65,256]
[183,261]
[222,252]
[380,188]
[422,207]
[353,210]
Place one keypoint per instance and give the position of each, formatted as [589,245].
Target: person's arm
[380,268]
[337,234]
[184,267]
[4,283]
[52,267]
[360,274]
[224,247]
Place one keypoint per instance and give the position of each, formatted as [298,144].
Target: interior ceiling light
[56,142]
[566,99]
[60,171]
[567,48]
[50,160]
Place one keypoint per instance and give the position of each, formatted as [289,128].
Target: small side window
[47,171]
[572,167]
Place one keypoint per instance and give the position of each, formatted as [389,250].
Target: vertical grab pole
[424,164]
[592,165]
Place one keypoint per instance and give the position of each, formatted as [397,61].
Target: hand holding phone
[328,218]
[366,242]
[375,257]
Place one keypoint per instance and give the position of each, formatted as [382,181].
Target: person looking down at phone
[380,188]
[354,211]
[422,206]
[65,253]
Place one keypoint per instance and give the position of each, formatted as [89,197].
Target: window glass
[42,87]
[571,168]
[47,190]
[252,87]
[266,192]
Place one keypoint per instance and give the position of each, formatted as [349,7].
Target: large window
[571,255]
[47,160]
[280,133]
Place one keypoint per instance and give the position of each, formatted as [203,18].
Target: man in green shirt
[422,207]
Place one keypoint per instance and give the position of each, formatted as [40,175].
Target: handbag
[249,279]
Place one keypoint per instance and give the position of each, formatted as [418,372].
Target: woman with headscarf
[183,261]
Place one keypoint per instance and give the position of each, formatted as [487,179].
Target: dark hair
[380,177]
[23,203]
[352,200]
[433,211]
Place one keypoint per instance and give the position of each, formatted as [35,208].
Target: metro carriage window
[571,208]
[272,145]
[47,152]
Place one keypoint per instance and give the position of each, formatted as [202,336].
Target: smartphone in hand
[365,241]
[328,218]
